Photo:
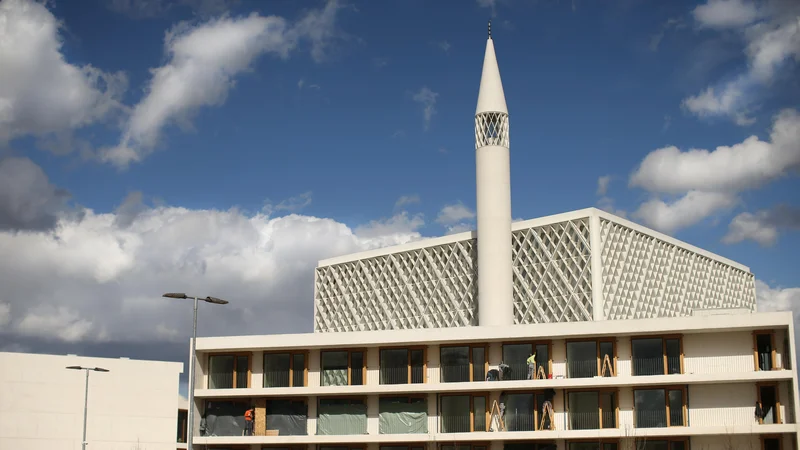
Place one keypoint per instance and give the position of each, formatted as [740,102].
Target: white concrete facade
[716,375]
[134,406]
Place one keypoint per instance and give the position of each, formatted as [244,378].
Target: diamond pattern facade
[436,287]
[491,128]
[646,277]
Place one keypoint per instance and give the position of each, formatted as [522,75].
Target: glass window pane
[417,366]
[454,364]
[608,403]
[543,358]
[298,369]
[479,412]
[677,445]
[276,370]
[516,356]
[673,356]
[478,364]
[519,412]
[220,370]
[584,410]
[675,408]
[455,414]
[648,356]
[650,407]
[357,368]
[394,366]
[334,368]
[581,359]
[242,371]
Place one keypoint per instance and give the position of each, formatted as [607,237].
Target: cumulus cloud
[427,98]
[203,63]
[777,298]
[602,184]
[456,218]
[763,226]
[771,36]
[745,165]
[710,181]
[28,201]
[406,200]
[100,279]
[41,94]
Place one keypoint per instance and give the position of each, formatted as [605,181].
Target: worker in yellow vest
[531,366]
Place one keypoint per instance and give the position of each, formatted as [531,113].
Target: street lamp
[86,395]
[192,362]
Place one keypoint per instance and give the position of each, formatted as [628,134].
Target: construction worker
[248,421]
[531,366]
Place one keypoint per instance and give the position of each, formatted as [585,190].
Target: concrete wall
[718,352]
[41,403]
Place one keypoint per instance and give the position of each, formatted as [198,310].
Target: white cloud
[764,226]
[602,184]
[406,200]
[771,32]
[93,280]
[28,201]
[748,164]
[427,98]
[444,46]
[456,218]
[203,63]
[684,212]
[726,13]
[41,94]
[291,204]
[777,299]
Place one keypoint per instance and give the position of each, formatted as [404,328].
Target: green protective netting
[401,417]
[342,419]
[334,377]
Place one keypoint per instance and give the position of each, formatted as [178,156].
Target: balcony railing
[520,421]
[651,419]
[454,373]
[278,378]
[394,375]
[655,366]
[584,420]
[586,368]
[455,423]
[519,371]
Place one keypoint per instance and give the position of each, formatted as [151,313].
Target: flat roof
[525,224]
[600,328]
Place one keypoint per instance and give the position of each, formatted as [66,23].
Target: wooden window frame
[291,354]
[666,389]
[615,391]
[350,352]
[408,350]
[776,386]
[664,338]
[773,352]
[533,344]
[597,341]
[236,356]
[764,437]
[485,348]
[471,396]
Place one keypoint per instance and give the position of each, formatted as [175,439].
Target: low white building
[641,341]
[133,406]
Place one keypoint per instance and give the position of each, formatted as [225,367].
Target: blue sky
[320,111]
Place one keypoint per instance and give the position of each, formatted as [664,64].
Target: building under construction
[579,331]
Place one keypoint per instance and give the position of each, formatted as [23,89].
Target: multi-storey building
[640,341]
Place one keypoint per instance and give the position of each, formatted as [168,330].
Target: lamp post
[86,396]
[193,359]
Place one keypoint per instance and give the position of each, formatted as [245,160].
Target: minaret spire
[493,182]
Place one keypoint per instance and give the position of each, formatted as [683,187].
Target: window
[399,365]
[764,350]
[343,367]
[663,444]
[463,363]
[657,355]
[769,403]
[524,410]
[664,407]
[183,420]
[591,410]
[228,371]
[515,355]
[402,415]
[587,359]
[592,445]
[341,416]
[286,416]
[464,413]
[285,369]
[771,443]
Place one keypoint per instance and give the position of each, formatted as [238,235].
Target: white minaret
[495,293]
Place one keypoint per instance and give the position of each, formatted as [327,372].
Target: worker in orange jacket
[248,421]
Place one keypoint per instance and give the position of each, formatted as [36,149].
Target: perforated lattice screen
[646,277]
[491,128]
